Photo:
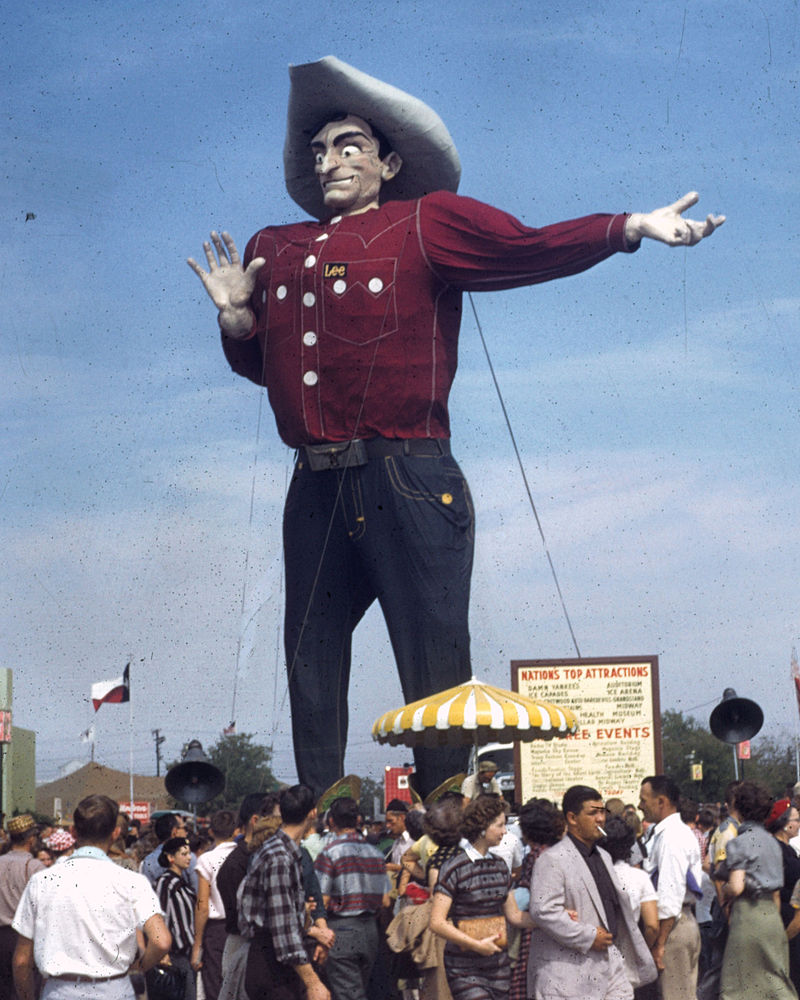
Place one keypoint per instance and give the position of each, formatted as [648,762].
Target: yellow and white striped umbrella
[473,713]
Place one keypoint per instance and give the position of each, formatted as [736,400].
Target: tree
[686,741]
[246,767]
[370,790]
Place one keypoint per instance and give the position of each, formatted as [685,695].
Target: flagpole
[130,734]
[795,671]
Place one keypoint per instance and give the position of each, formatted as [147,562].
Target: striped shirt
[353,874]
[477,885]
[271,901]
[177,900]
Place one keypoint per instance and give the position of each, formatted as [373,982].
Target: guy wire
[522,471]
[246,573]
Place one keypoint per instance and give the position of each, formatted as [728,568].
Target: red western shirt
[357,317]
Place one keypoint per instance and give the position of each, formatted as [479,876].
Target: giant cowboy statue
[351,319]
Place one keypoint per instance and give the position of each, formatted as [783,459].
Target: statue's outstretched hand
[667,225]
[228,284]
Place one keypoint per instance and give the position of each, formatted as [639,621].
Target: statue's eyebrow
[342,138]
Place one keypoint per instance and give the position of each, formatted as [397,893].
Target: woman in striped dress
[177,899]
[473,884]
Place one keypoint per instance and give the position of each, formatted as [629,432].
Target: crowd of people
[466,900]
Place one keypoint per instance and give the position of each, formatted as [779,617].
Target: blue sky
[654,398]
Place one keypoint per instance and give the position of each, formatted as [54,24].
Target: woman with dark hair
[177,899]
[542,825]
[756,959]
[443,825]
[619,842]
[783,823]
[473,890]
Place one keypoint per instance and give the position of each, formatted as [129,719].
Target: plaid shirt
[271,899]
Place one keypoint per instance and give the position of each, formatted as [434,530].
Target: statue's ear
[391,165]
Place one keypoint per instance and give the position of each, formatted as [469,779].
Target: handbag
[165,982]
[479,928]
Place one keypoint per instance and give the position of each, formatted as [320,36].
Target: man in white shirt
[209,916]
[78,920]
[673,862]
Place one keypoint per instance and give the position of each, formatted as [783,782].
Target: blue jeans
[399,529]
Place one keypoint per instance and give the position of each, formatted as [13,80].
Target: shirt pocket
[359,300]
[275,302]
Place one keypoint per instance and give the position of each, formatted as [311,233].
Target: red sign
[5,725]
[744,750]
[395,784]
[140,810]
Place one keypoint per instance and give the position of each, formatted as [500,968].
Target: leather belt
[69,977]
[349,454]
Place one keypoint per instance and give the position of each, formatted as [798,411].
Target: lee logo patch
[334,271]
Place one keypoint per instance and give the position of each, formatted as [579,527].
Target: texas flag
[112,692]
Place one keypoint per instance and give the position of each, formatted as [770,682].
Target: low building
[58,798]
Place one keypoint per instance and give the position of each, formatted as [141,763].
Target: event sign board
[618,740]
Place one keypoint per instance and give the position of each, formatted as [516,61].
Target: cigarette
[602,831]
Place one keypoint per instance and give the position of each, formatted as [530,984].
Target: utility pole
[159,739]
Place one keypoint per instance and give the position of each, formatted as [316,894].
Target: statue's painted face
[348,164]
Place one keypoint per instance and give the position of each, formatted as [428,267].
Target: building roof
[95,779]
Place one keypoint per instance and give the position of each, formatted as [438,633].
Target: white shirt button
[322,236]
[310,378]
[310,261]
[309,299]
[281,291]
[335,219]
[375,285]
[339,286]
[309,338]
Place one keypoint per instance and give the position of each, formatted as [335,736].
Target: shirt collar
[585,851]
[293,847]
[91,852]
[672,820]
[470,850]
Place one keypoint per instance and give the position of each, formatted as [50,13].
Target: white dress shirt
[673,863]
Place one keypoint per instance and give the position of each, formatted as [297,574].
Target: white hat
[414,131]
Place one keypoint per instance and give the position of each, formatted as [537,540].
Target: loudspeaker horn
[195,780]
[735,719]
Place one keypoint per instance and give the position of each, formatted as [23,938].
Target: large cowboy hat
[320,90]
[347,787]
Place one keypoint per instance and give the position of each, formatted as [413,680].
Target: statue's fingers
[223,257]
[201,274]
[233,253]
[210,256]
[685,202]
[255,265]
